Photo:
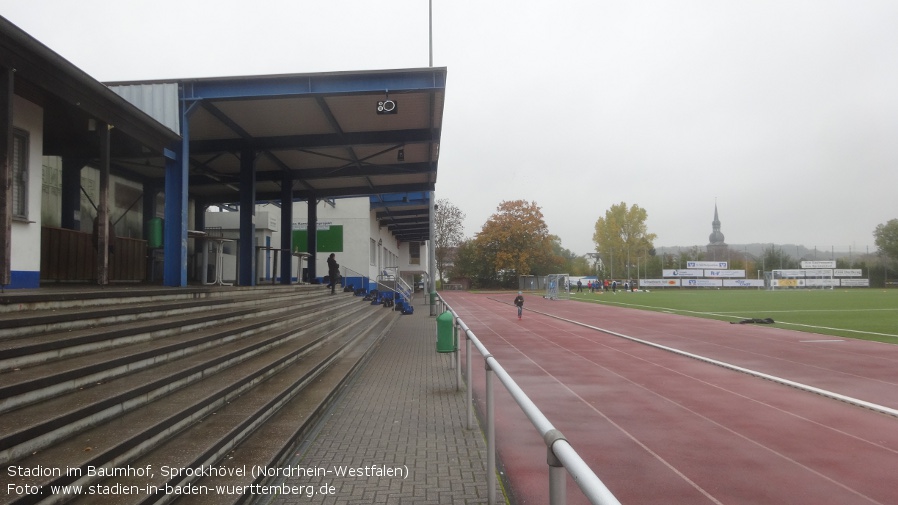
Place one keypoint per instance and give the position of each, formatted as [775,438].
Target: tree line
[515,241]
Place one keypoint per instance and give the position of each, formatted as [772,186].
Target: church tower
[717,248]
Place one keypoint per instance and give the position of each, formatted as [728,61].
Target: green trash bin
[447,337]
[154,233]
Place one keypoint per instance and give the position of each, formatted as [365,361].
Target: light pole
[628,262]
[595,258]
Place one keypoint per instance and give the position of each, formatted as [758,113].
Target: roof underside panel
[321,134]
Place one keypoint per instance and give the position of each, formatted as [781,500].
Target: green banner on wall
[329,240]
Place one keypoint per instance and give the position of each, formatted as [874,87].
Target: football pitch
[870,314]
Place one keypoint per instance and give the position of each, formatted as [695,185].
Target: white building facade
[347,227]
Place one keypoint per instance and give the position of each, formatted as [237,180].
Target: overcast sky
[784,112]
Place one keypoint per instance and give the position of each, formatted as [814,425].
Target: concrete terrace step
[266,423]
[273,444]
[236,377]
[60,298]
[24,323]
[26,351]
[36,426]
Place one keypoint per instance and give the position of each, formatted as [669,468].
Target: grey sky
[784,111]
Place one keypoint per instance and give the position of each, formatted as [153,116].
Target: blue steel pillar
[286,265]
[175,231]
[177,168]
[246,247]
[312,243]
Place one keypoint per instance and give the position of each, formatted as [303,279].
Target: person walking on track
[519,302]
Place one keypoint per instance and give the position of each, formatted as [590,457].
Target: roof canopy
[74,102]
[325,134]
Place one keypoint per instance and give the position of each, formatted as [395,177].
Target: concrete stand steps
[210,379]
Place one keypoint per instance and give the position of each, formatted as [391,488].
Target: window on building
[19,160]
[373,253]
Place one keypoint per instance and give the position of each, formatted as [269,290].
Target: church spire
[716,236]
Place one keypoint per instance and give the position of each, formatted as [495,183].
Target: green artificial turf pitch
[870,314]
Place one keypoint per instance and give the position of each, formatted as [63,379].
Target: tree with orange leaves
[516,241]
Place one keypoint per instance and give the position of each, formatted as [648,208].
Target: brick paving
[401,414]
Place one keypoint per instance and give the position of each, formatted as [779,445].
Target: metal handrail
[348,272]
[561,454]
[399,286]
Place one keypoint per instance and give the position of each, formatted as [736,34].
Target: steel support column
[286,267]
[175,231]
[177,169]
[312,242]
[431,256]
[102,222]
[246,247]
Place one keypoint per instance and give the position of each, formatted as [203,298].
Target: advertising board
[702,283]
[706,264]
[659,283]
[743,283]
[725,273]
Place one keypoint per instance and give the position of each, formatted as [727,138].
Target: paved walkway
[400,427]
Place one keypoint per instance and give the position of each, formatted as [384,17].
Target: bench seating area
[183,378]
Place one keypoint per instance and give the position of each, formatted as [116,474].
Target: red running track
[660,428]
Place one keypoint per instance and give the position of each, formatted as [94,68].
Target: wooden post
[103,207]
[7,79]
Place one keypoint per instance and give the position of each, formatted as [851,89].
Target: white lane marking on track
[610,421]
[697,414]
[707,360]
[725,428]
[731,316]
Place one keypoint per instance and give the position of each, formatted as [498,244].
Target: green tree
[621,236]
[561,260]
[777,259]
[886,238]
[470,264]
[581,266]
[448,229]
[515,240]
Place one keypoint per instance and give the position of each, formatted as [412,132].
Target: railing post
[557,474]
[490,434]
[470,390]
[457,360]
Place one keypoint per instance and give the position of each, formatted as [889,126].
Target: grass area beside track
[870,314]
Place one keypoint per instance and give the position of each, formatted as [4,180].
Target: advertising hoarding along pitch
[702,283]
[818,264]
[743,283]
[659,283]
[683,273]
[706,264]
[711,283]
[725,273]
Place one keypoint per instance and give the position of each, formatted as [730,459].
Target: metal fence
[561,456]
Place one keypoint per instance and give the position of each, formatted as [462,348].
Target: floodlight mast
[430,28]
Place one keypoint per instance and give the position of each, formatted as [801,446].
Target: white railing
[561,455]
